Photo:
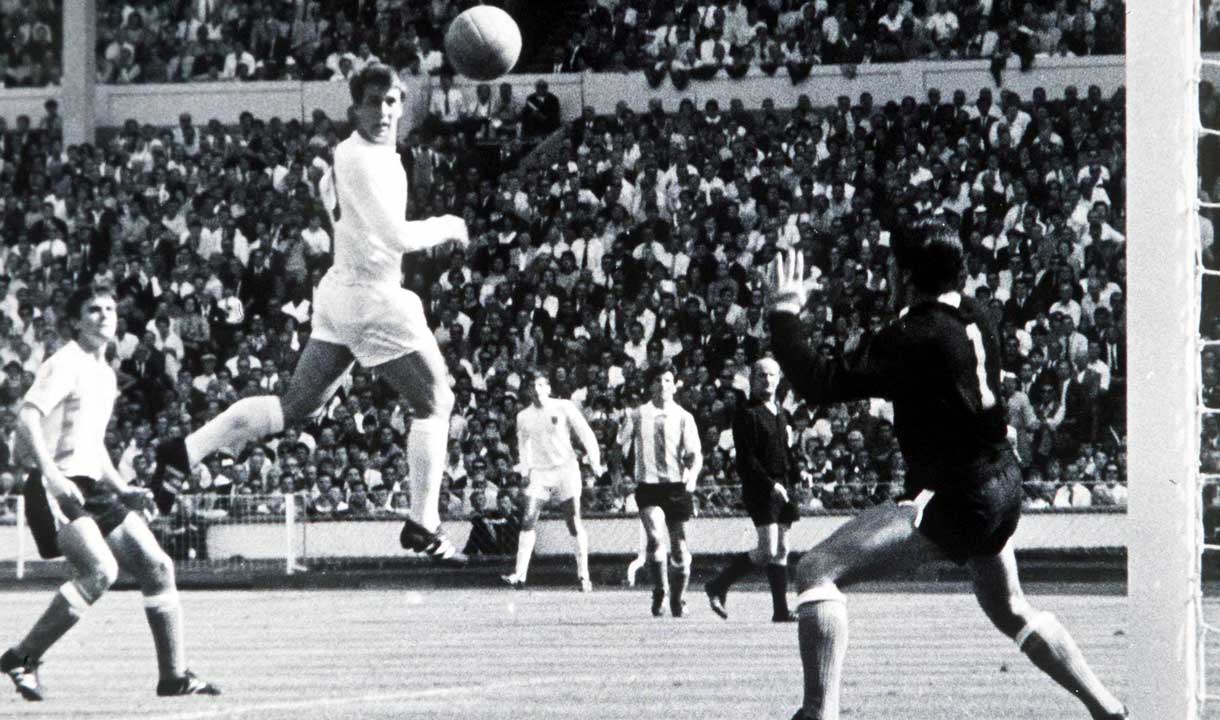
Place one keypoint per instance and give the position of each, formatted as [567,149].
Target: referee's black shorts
[101,503]
[672,498]
[770,509]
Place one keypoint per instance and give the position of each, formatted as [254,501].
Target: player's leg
[878,542]
[777,574]
[741,565]
[420,377]
[318,373]
[653,520]
[1038,634]
[679,565]
[640,560]
[139,553]
[525,540]
[94,570]
[571,515]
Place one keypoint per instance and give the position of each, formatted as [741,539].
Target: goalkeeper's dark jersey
[940,365]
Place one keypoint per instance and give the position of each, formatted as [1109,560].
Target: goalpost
[1165,631]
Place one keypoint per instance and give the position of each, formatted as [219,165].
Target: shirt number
[980,369]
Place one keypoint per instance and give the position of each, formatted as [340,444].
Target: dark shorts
[101,503]
[977,521]
[672,498]
[770,510]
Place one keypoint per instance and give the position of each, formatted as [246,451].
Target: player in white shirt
[361,314]
[665,442]
[548,461]
[79,507]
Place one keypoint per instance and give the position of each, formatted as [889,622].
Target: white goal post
[1164,672]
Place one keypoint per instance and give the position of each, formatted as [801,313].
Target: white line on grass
[377,698]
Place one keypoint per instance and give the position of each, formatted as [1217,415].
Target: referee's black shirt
[760,438]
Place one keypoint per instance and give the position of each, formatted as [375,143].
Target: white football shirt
[75,392]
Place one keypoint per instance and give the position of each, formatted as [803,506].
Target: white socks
[247,419]
[525,550]
[582,554]
[426,445]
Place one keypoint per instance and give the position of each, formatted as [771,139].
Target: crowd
[703,39]
[206,40]
[30,43]
[151,41]
[644,242]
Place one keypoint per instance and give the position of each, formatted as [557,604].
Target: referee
[760,435]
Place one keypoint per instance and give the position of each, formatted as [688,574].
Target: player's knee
[815,569]
[528,523]
[652,546]
[94,583]
[159,573]
[435,404]
[779,556]
[1010,615]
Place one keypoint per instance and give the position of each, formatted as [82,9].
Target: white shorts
[562,483]
[378,323]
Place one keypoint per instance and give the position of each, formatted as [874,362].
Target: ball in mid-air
[483,43]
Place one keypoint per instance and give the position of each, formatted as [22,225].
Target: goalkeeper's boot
[435,545]
[172,472]
[514,581]
[188,684]
[24,674]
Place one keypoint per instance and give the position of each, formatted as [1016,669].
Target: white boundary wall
[616,536]
[161,104]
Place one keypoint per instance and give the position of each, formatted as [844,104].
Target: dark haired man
[664,439]
[79,507]
[362,313]
[940,365]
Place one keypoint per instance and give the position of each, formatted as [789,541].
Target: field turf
[470,654]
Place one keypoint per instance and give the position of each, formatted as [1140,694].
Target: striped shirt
[75,392]
[665,442]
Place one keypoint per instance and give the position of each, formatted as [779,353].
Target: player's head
[92,311]
[536,386]
[929,256]
[764,378]
[377,103]
[662,382]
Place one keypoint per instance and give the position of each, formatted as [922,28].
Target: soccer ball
[483,43]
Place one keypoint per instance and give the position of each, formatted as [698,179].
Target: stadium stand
[641,239]
[30,51]
[214,40]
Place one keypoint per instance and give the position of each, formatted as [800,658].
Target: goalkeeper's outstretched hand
[786,283]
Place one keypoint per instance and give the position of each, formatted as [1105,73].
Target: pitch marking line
[349,700]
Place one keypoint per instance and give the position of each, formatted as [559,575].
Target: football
[483,43]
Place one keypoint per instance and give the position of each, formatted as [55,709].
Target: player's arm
[525,454]
[51,386]
[585,434]
[870,372]
[362,183]
[692,452]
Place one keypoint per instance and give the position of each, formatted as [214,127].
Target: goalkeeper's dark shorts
[45,516]
[978,520]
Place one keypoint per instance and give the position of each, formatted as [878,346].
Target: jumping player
[362,313]
[544,445]
[760,436]
[940,365]
[79,506]
[668,457]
